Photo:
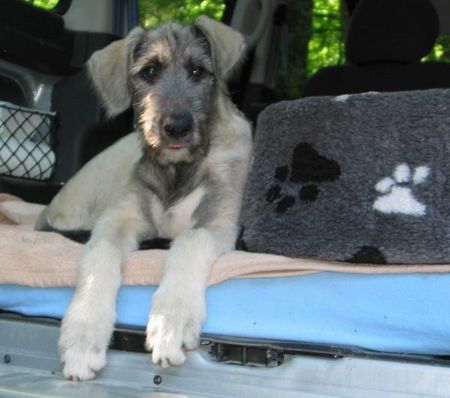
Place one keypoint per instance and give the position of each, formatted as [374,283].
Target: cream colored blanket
[45,259]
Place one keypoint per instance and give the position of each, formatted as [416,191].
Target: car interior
[43,54]
[52,123]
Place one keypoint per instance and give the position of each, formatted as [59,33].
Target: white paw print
[396,198]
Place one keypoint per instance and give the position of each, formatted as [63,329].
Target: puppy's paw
[82,351]
[174,327]
[81,363]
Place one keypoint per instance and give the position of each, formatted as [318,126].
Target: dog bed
[46,259]
[401,313]
[404,313]
[355,178]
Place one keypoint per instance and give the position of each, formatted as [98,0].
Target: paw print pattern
[396,196]
[367,255]
[307,168]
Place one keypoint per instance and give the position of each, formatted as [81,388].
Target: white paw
[174,327]
[82,350]
[396,195]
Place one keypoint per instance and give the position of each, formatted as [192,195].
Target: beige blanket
[45,259]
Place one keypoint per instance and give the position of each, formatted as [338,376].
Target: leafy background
[45,4]
[184,11]
[317,32]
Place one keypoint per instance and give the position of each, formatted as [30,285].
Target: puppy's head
[170,76]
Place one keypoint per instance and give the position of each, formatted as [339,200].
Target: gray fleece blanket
[362,178]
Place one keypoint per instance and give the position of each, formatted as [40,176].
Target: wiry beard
[151,138]
[154,141]
[153,145]
[147,124]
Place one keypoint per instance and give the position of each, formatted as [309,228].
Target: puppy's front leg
[89,321]
[178,306]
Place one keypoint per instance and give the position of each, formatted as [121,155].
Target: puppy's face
[172,85]
[172,76]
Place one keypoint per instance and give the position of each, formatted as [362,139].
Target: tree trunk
[300,28]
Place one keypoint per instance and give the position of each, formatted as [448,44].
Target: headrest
[391,31]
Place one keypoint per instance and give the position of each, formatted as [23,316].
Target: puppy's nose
[178,125]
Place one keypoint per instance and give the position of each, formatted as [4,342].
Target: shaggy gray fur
[313,186]
[180,177]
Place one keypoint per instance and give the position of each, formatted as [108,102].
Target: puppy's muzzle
[178,126]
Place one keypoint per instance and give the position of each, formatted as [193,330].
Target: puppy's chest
[179,217]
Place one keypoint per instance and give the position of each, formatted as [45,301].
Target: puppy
[180,176]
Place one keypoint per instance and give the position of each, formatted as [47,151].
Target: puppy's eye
[151,72]
[197,72]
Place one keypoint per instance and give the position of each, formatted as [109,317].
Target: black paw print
[367,255]
[308,168]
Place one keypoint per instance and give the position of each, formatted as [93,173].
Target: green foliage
[441,50]
[316,38]
[317,30]
[326,33]
[153,12]
[328,30]
[45,4]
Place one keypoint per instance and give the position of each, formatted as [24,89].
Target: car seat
[385,44]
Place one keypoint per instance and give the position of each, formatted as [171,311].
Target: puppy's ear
[227,45]
[108,70]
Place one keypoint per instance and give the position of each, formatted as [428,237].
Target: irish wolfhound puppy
[180,176]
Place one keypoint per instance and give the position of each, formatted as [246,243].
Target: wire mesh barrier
[26,142]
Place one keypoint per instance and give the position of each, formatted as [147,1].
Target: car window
[441,50]
[316,37]
[184,11]
[329,21]
[49,5]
